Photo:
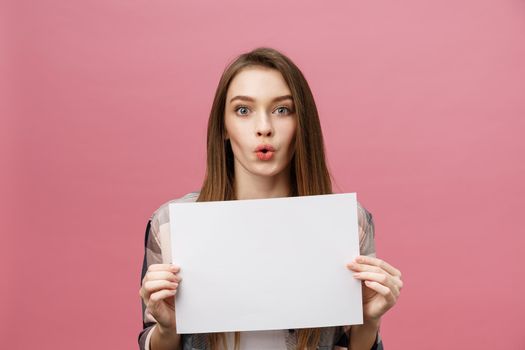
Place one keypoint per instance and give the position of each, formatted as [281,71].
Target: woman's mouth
[265,152]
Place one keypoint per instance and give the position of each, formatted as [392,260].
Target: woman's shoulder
[161,215]
[363,213]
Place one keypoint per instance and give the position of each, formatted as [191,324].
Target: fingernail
[357,274]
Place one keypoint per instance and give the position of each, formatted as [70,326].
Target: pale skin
[259,110]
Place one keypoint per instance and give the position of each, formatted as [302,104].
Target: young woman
[264,141]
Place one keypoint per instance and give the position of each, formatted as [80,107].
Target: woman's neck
[249,186]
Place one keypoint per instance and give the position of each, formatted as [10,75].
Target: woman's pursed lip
[267,147]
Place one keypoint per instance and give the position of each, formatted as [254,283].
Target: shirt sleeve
[366,232]
[152,255]
[366,247]
[157,251]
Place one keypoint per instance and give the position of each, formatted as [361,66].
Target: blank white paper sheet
[264,264]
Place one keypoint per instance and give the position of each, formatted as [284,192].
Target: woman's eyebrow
[251,99]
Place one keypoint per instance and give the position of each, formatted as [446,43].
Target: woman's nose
[264,125]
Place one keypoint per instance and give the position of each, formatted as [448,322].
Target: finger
[381,278]
[363,259]
[160,267]
[162,275]
[151,287]
[381,289]
[164,267]
[369,268]
[399,283]
[396,280]
[364,267]
[160,295]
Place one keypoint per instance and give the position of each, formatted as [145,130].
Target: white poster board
[266,264]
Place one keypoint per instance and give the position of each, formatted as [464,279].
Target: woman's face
[259,112]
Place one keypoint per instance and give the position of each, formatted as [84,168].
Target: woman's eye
[242,110]
[283,110]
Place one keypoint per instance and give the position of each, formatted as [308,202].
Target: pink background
[104,111]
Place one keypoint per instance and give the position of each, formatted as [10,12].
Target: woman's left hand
[382,285]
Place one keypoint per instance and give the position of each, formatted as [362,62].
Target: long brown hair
[309,173]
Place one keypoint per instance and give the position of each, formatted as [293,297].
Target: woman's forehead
[259,83]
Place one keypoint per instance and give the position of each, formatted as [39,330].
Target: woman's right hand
[159,287]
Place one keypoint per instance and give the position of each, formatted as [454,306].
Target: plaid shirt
[158,251]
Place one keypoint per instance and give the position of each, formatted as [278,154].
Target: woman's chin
[266,170]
